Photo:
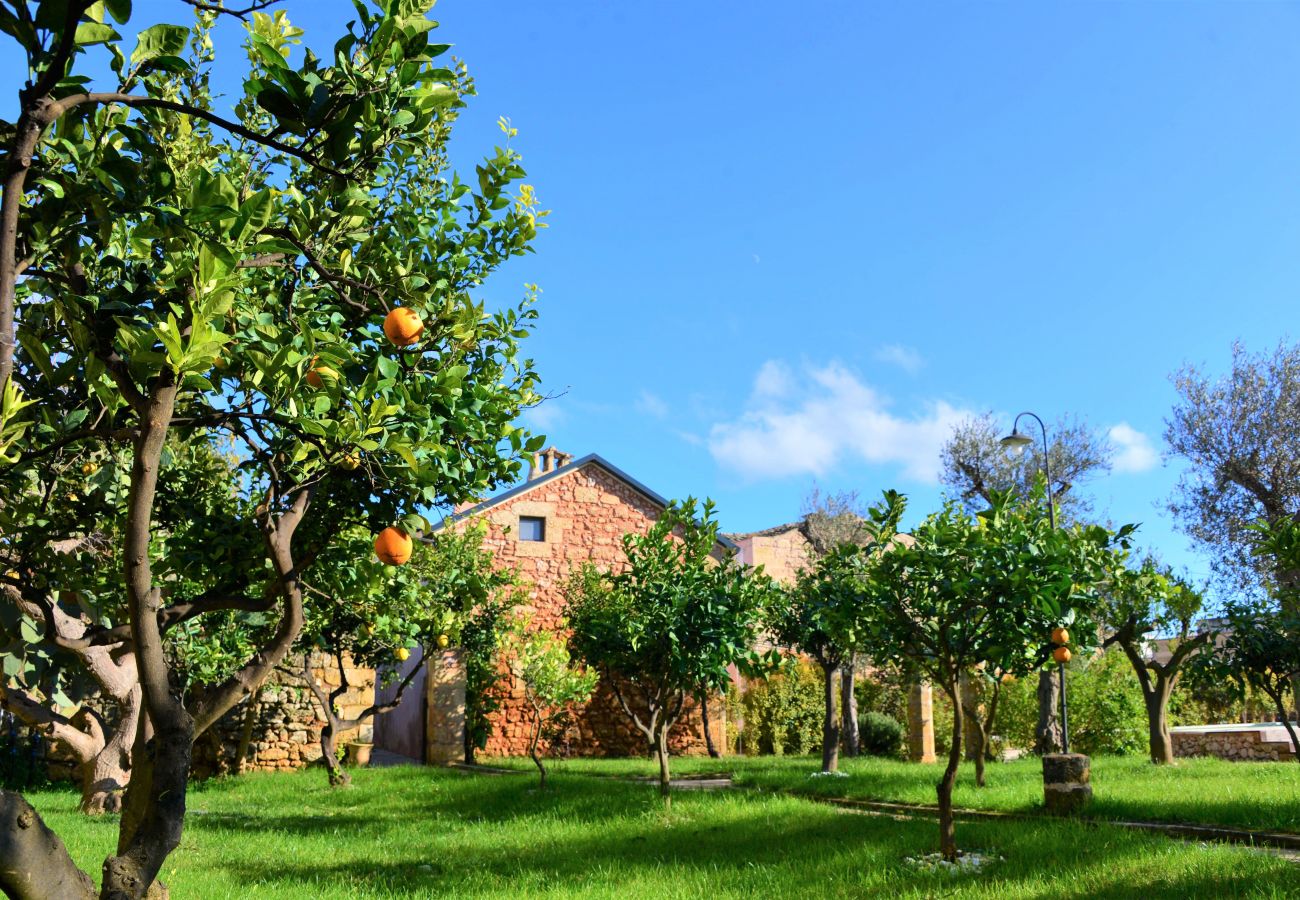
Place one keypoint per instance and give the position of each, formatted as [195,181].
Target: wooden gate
[401,730]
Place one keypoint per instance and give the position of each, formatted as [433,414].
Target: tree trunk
[947,828]
[830,724]
[1049,720]
[665,781]
[246,734]
[1157,704]
[702,698]
[104,778]
[34,864]
[970,701]
[338,775]
[849,708]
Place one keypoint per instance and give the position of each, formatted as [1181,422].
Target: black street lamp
[1016,442]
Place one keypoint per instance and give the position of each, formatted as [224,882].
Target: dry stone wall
[1243,744]
[285,729]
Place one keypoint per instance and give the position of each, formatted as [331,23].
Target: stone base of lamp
[1067,783]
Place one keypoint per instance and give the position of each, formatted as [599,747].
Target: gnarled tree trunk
[34,864]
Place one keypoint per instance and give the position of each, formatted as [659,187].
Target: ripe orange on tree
[402,326]
[1060,636]
[1061,655]
[317,374]
[393,546]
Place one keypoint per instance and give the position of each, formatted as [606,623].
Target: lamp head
[1015,443]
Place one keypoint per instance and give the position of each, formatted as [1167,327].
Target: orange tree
[377,614]
[675,621]
[807,620]
[966,590]
[172,270]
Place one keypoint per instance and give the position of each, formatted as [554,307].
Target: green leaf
[89,33]
[159,40]
[120,10]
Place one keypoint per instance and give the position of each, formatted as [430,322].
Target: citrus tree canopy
[173,267]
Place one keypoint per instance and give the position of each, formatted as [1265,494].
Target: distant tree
[1142,603]
[540,661]
[965,590]
[975,464]
[1240,435]
[832,520]
[674,621]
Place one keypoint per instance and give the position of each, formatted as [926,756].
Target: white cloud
[545,416]
[652,404]
[1133,449]
[808,423]
[906,358]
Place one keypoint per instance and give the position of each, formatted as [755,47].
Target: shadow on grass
[427,836]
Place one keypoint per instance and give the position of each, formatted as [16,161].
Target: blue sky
[793,243]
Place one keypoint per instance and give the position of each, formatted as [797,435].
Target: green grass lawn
[1262,796]
[414,832]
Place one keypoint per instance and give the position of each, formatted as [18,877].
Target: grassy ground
[1262,796]
[413,832]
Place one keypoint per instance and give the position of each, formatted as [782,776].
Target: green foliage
[782,713]
[676,619]
[962,591]
[1106,712]
[1259,651]
[480,644]
[552,685]
[881,735]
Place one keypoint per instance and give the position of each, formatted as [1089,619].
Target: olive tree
[168,270]
[1141,603]
[1238,434]
[832,520]
[675,620]
[964,590]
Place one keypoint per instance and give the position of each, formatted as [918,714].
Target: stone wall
[286,726]
[587,512]
[1235,742]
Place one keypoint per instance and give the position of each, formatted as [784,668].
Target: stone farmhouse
[567,513]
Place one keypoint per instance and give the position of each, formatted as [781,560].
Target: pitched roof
[590,459]
[769,532]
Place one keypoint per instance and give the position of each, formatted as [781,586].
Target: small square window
[532,528]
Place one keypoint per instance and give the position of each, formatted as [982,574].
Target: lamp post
[1016,442]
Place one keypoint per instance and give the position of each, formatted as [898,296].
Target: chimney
[548,461]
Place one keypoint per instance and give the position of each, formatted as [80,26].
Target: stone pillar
[1067,783]
[444,728]
[920,723]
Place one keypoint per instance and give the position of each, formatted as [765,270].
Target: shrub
[880,735]
[783,712]
[1105,708]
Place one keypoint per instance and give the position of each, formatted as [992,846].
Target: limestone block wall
[1244,743]
[781,551]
